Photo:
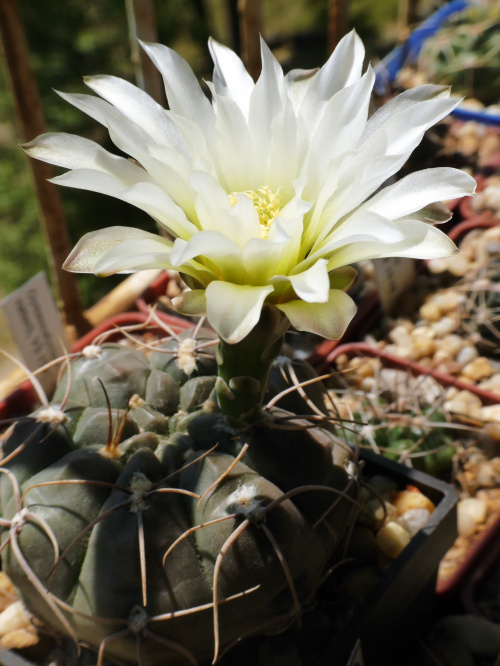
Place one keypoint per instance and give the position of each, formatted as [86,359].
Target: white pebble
[414,520]
[380,515]
[491,413]
[400,336]
[452,343]
[445,326]
[464,402]
[479,368]
[471,513]
[392,539]
[467,354]
[486,475]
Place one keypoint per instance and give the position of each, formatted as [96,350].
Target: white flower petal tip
[114,250]
[233,309]
[330,319]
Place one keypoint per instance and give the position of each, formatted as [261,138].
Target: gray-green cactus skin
[178,534]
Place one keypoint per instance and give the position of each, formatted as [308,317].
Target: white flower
[267,191]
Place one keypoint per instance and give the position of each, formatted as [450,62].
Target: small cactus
[480,315]
[465,53]
[136,516]
[402,417]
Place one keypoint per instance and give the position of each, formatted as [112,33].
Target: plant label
[393,275]
[36,326]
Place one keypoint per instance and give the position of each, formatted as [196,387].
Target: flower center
[267,204]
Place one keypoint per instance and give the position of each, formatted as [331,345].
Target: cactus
[465,54]
[480,312]
[136,515]
[402,417]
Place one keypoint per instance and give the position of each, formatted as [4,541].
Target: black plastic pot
[403,601]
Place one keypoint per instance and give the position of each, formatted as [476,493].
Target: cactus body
[175,534]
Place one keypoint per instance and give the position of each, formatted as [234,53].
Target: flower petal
[212,199]
[434,213]
[241,222]
[140,108]
[418,189]
[233,141]
[74,152]
[191,303]
[156,202]
[421,241]
[230,76]
[184,93]
[341,70]
[261,259]
[266,102]
[132,256]
[233,309]
[212,244]
[342,278]
[329,319]
[94,246]
[312,285]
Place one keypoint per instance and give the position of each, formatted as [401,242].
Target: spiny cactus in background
[400,416]
[480,312]
[465,53]
[138,521]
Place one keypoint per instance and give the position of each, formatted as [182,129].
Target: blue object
[387,70]
[476,116]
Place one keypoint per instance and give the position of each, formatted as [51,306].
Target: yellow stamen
[267,204]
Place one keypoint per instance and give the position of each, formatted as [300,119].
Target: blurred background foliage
[70,39]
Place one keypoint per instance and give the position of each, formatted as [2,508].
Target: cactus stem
[244,367]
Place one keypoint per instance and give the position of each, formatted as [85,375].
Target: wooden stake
[142,25]
[250,12]
[338,19]
[407,18]
[31,123]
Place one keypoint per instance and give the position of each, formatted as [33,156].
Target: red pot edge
[483,554]
[24,399]
[351,348]
[484,221]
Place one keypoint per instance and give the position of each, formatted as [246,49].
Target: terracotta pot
[476,571]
